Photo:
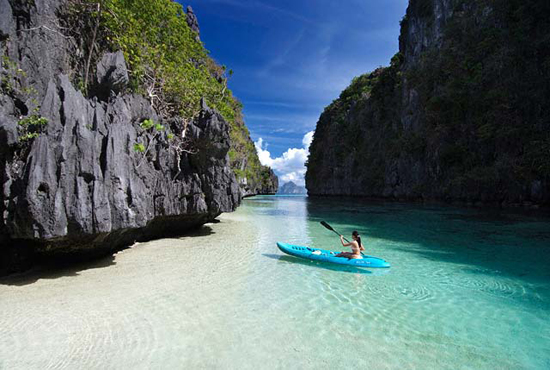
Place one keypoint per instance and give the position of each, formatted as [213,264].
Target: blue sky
[292,58]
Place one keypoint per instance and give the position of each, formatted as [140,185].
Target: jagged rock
[192,20]
[80,189]
[80,184]
[8,123]
[425,27]
[33,41]
[266,184]
[112,73]
[269,184]
[7,24]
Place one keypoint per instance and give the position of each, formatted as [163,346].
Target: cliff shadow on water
[511,242]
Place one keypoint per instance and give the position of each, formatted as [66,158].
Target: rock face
[267,183]
[270,183]
[292,188]
[253,177]
[192,20]
[80,188]
[459,116]
[112,73]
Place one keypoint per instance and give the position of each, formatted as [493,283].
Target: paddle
[336,232]
[331,229]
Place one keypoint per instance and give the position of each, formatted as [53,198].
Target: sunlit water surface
[467,290]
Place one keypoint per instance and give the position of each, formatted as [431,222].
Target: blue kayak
[330,256]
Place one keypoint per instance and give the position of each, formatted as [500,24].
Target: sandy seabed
[226,298]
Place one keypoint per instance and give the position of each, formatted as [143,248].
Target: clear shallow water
[467,290]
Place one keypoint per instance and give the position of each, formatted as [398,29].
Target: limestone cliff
[87,169]
[253,178]
[459,115]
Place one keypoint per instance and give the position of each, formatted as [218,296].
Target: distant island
[292,188]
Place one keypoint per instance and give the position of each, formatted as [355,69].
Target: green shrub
[140,148]
[31,127]
[164,57]
[147,124]
[157,128]
[11,73]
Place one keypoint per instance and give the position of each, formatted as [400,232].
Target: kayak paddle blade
[327,225]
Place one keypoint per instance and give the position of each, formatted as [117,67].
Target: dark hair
[356,234]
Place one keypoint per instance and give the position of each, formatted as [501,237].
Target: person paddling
[356,247]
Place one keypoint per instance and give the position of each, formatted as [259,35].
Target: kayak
[330,256]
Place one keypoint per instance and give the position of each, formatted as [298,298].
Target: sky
[292,58]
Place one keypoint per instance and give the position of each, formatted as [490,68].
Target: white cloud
[291,165]
[308,138]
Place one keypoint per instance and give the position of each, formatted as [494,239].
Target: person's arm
[343,243]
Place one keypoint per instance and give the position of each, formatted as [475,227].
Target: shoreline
[23,256]
[526,206]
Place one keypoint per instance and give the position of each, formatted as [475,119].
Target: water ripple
[230,299]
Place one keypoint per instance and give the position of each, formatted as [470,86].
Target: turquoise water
[468,289]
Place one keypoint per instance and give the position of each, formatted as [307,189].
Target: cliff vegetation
[459,115]
[168,64]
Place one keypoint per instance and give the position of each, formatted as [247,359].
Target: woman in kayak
[356,247]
